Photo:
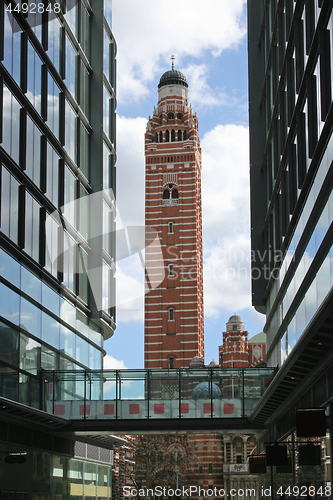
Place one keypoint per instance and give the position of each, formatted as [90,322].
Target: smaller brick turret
[237,350]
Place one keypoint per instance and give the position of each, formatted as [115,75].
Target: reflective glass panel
[9,205]
[70,196]
[50,330]
[82,324]
[9,304]
[95,358]
[34,78]
[54,40]
[31,285]
[10,269]
[70,131]
[83,291]
[48,359]
[11,125]
[71,14]
[84,90]
[32,165]
[50,299]
[9,341]
[106,287]
[12,45]
[52,175]
[106,111]
[68,313]
[83,215]
[32,211]
[51,246]
[108,12]
[84,151]
[106,64]
[69,261]
[30,319]
[106,227]
[67,341]
[85,31]
[106,167]
[53,93]
[70,66]
[95,334]
[82,351]
[29,354]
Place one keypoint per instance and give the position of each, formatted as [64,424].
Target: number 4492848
[34,8]
[304,491]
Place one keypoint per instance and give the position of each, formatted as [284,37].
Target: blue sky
[209,42]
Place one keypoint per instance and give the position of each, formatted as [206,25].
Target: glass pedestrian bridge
[154,394]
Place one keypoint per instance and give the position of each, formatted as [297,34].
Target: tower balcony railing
[174,201]
[155,394]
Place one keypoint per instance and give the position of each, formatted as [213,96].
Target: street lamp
[177,472]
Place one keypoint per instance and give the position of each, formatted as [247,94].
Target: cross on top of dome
[173,77]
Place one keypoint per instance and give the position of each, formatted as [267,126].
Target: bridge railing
[142,394]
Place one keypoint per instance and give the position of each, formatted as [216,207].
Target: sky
[208,40]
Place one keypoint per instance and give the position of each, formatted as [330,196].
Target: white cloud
[148,32]
[130,290]
[130,205]
[111,363]
[226,232]
[225,182]
[130,169]
[201,93]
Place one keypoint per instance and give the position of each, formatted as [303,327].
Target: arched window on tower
[179,116]
[173,138]
[171,116]
[167,136]
[171,312]
[156,137]
[166,194]
[171,362]
[179,135]
[160,136]
[184,135]
[174,194]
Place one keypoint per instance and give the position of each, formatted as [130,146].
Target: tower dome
[196,362]
[173,77]
[235,324]
[235,319]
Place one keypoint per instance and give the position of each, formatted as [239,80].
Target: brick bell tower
[234,352]
[174,331]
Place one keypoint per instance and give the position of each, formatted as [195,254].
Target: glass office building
[291,154]
[57,188]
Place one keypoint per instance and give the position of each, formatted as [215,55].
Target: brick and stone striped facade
[174,331]
[237,350]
